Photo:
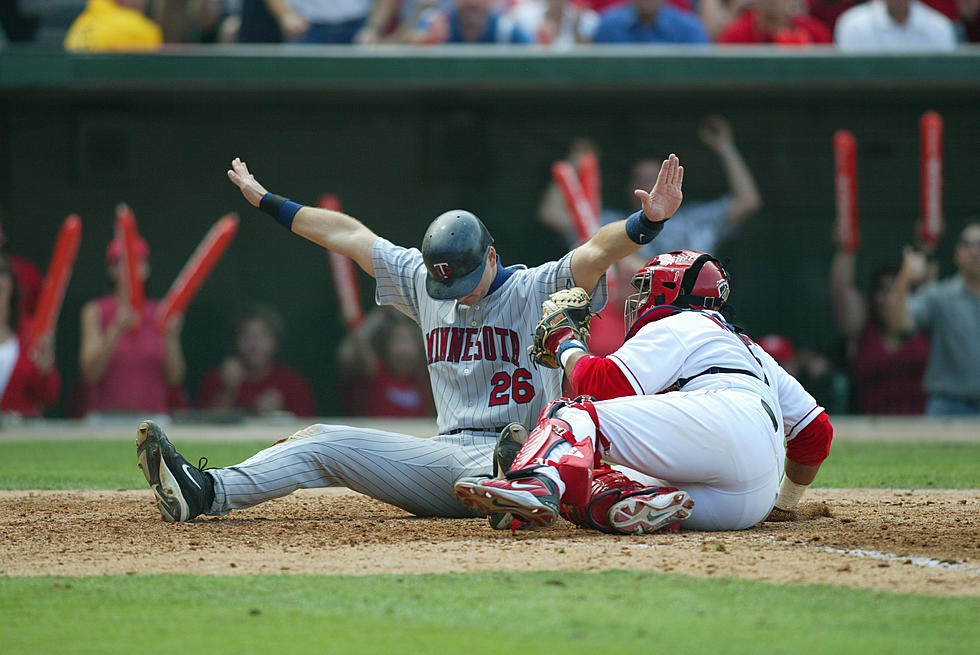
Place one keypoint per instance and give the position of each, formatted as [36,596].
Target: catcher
[697,413]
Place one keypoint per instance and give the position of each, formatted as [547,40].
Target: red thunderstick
[931,176]
[197,269]
[845,190]
[131,279]
[589,177]
[56,279]
[584,216]
[344,275]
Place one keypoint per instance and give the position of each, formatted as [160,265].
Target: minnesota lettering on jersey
[457,344]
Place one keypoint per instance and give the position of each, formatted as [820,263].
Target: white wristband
[789,494]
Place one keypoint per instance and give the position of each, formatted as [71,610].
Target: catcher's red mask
[682,278]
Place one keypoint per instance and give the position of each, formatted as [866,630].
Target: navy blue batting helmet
[455,249]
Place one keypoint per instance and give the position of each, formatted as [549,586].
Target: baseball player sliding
[477,318]
[687,401]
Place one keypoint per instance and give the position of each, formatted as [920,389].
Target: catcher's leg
[721,444]
[618,504]
[551,464]
[414,474]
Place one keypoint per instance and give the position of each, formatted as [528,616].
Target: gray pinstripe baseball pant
[409,472]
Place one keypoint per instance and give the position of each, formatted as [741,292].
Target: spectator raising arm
[914,267]
[850,310]
[716,133]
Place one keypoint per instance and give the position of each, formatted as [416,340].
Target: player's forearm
[570,360]
[605,248]
[553,212]
[804,454]
[848,307]
[96,349]
[897,313]
[174,366]
[337,232]
[803,474]
[746,198]
[796,478]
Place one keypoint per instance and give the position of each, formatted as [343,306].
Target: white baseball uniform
[481,380]
[720,436]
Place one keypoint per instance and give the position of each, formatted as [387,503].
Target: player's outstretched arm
[333,230]
[617,240]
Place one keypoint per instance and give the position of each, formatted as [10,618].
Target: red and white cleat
[659,510]
[533,500]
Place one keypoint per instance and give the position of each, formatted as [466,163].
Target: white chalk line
[926,562]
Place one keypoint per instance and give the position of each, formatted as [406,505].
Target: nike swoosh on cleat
[521,485]
[191,477]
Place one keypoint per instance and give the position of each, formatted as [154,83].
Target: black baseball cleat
[182,491]
[509,443]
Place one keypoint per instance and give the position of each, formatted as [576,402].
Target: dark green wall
[399,155]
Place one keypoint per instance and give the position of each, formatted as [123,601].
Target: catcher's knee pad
[579,402]
[584,403]
[609,486]
[574,466]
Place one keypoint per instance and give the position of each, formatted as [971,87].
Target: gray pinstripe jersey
[481,379]
[477,355]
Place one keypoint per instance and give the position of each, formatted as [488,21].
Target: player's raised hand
[915,265]
[250,187]
[662,201]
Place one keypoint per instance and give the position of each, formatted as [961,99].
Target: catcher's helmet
[454,249]
[683,278]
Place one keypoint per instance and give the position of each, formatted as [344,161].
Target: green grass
[98,464]
[112,464]
[535,613]
[901,465]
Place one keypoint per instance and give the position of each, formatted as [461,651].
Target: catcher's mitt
[566,315]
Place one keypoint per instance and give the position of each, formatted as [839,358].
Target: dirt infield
[912,541]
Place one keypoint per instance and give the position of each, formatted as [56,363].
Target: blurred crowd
[908,339]
[127,366]
[130,25]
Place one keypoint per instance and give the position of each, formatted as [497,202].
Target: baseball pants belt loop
[772,414]
[485,430]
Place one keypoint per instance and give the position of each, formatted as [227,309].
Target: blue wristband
[279,208]
[640,230]
[567,345]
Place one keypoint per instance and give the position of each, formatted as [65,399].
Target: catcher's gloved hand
[566,315]
[781,515]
